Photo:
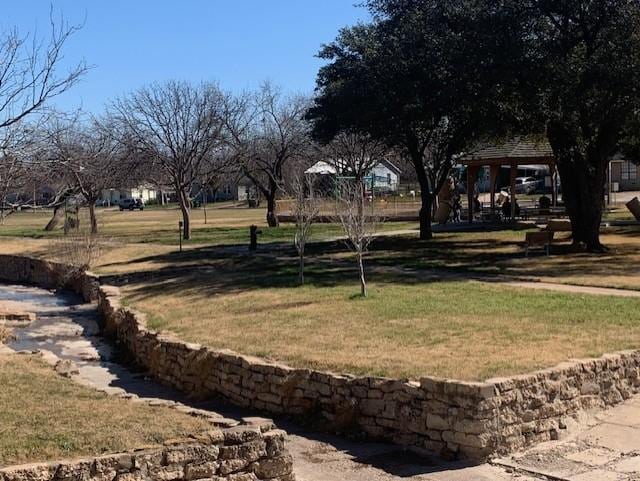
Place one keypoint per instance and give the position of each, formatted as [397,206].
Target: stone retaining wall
[237,454]
[26,270]
[453,418]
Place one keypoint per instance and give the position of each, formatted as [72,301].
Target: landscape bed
[407,328]
[455,418]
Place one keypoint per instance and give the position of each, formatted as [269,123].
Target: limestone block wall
[26,270]
[237,454]
[453,418]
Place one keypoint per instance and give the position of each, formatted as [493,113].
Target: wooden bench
[541,239]
[634,207]
[559,225]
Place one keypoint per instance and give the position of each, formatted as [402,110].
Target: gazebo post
[472,176]
[554,185]
[494,170]
[513,172]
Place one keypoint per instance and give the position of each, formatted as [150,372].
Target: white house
[114,196]
[384,176]
[624,174]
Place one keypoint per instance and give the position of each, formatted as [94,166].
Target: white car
[526,185]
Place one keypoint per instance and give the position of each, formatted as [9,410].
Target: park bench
[542,239]
[634,207]
[559,225]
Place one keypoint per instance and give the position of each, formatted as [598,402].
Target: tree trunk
[93,218]
[583,195]
[55,219]
[425,215]
[301,253]
[272,215]
[183,199]
[204,206]
[583,176]
[426,233]
[363,282]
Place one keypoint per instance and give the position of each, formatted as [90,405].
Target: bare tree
[358,227]
[30,76]
[354,154]
[215,171]
[30,73]
[79,251]
[13,179]
[89,158]
[19,168]
[271,133]
[178,126]
[305,210]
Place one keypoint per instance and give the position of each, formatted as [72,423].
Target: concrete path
[66,333]
[64,329]
[575,289]
[608,449]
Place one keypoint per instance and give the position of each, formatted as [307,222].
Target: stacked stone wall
[237,454]
[454,418]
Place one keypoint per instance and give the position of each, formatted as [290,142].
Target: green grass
[225,226]
[46,417]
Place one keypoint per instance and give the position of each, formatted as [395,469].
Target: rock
[66,368]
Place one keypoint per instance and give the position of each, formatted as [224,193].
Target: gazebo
[513,153]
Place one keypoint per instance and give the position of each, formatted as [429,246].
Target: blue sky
[240,43]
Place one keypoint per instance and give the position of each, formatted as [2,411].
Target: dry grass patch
[465,330]
[44,417]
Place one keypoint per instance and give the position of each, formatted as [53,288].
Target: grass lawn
[408,328]
[411,326]
[501,253]
[226,225]
[45,417]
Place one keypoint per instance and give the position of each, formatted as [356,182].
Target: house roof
[321,168]
[324,168]
[517,149]
[391,166]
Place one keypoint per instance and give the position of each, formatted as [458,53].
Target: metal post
[513,173]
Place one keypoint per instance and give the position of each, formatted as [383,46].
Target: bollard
[253,237]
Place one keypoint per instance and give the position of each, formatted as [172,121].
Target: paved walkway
[572,288]
[608,448]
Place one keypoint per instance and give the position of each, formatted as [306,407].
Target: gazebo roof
[514,151]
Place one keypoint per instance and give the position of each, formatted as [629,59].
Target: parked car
[131,204]
[526,185]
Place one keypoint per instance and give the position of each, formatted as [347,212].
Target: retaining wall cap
[433,384]
[110,291]
[241,434]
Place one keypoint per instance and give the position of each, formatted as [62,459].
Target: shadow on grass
[488,255]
